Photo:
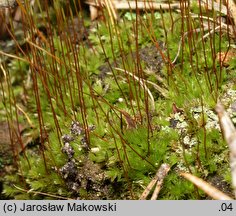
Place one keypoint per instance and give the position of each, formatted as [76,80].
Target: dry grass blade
[229,133]
[142,83]
[41,193]
[206,187]
[159,177]
[161,90]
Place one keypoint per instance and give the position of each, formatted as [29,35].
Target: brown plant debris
[206,187]
[158,180]
[229,132]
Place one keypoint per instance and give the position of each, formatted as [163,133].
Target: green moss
[71,86]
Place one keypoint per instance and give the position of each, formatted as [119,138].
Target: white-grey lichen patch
[229,101]
[201,117]
[178,120]
[228,98]
[211,118]
[189,141]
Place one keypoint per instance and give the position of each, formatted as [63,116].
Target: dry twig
[159,178]
[229,132]
[206,187]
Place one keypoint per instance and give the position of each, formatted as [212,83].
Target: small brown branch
[158,178]
[229,132]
